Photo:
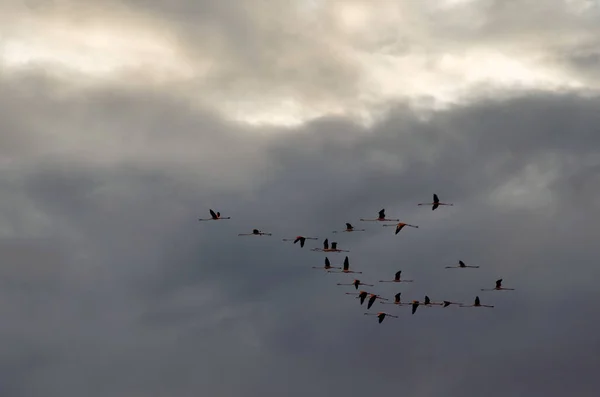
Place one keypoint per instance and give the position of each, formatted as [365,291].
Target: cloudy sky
[123,121]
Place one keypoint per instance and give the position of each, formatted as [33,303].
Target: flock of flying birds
[362,294]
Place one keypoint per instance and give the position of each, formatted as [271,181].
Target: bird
[361,294]
[300,239]
[476,304]
[396,279]
[326,248]
[372,300]
[380,315]
[214,216]
[428,302]
[396,301]
[498,287]
[356,283]
[380,218]
[415,306]
[346,268]
[400,226]
[436,202]
[448,303]
[461,265]
[349,228]
[255,232]
[327,265]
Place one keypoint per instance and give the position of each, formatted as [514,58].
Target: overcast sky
[123,122]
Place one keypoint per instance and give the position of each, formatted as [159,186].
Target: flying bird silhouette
[436,202]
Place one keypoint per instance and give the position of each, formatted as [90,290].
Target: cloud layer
[110,286]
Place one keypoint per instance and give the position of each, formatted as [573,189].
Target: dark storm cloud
[111,286]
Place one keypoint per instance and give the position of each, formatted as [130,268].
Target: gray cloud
[273,60]
[116,288]
[110,286]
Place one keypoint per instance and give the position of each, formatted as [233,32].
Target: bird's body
[400,226]
[381,218]
[436,202]
[214,216]
[396,279]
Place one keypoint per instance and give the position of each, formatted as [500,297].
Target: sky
[122,122]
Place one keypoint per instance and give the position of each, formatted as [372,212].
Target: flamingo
[214,216]
[361,294]
[373,298]
[436,202]
[326,248]
[301,239]
[498,287]
[400,226]
[415,306]
[255,232]
[346,268]
[356,283]
[448,303]
[476,304]
[396,301]
[381,218]
[396,279]
[349,228]
[461,265]
[327,265]
[428,302]
[380,315]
